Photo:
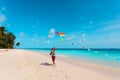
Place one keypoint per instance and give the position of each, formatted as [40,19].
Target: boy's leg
[53,60]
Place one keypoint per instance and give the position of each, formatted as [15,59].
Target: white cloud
[48,42]
[43,38]
[35,35]
[114,40]
[91,22]
[2,18]
[51,33]
[35,40]
[110,27]
[22,34]
[109,22]
[3,9]
[71,37]
[88,27]
[83,39]
[83,35]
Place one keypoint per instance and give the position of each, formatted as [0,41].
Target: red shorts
[53,58]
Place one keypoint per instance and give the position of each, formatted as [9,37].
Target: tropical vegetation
[17,44]
[7,39]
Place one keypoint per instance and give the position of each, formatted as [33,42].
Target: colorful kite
[61,34]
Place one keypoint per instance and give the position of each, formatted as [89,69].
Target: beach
[18,64]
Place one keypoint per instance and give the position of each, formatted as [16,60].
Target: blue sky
[89,23]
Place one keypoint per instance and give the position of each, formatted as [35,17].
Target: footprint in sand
[61,71]
[67,77]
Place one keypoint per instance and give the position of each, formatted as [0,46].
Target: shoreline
[77,61]
[85,64]
[19,64]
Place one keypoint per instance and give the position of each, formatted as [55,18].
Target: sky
[86,23]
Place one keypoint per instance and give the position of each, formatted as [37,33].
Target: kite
[61,34]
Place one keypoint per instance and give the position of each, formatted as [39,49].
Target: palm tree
[2,33]
[2,30]
[11,38]
[17,44]
[6,38]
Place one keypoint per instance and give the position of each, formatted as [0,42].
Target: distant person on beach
[52,54]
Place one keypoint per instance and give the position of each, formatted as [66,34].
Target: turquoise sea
[109,57]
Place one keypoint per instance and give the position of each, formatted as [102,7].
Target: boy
[52,54]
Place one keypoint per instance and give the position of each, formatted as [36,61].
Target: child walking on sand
[52,54]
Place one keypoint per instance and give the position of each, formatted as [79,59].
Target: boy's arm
[50,53]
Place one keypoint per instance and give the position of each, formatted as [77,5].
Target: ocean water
[110,57]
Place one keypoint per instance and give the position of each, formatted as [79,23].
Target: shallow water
[110,57]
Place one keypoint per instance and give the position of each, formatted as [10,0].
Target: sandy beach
[16,64]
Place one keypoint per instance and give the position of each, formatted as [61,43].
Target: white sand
[27,65]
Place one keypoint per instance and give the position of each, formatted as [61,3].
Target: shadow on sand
[45,64]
